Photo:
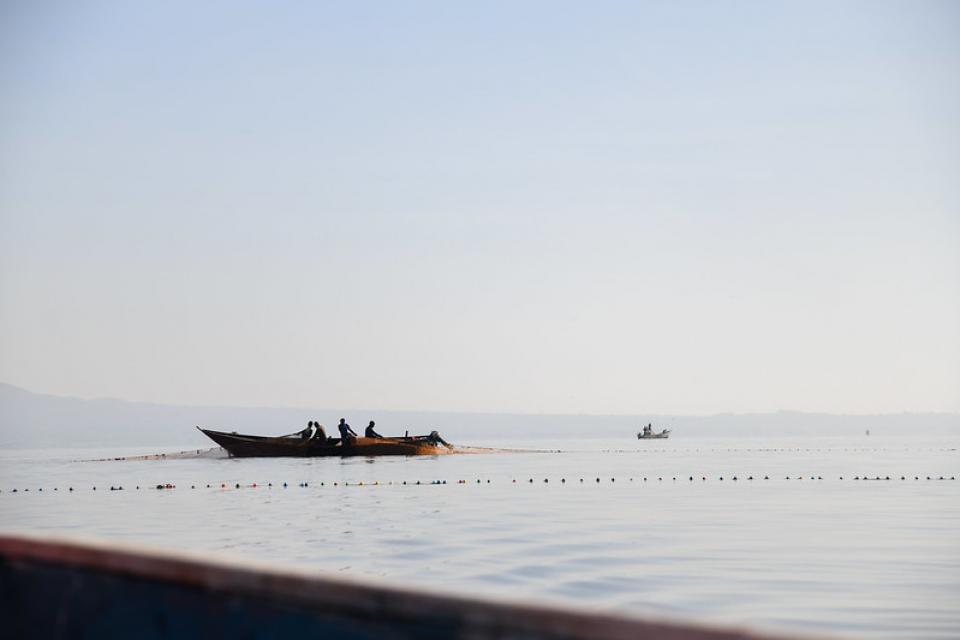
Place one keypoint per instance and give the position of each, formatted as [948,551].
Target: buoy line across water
[596,480]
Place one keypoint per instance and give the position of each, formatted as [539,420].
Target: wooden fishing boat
[650,436]
[247,446]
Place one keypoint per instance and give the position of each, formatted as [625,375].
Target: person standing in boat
[346,433]
[370,433]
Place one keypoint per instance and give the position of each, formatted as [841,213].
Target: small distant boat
[247,446]
[651,435]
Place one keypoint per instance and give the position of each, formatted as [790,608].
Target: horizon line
[485,412]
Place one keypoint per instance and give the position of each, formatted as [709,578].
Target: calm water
[842,557]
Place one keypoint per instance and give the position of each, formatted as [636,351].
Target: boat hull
[654,436]
[62,588]
[246,446]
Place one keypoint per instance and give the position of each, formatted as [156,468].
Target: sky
[536,207]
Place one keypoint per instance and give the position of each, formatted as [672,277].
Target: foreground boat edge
[64,587]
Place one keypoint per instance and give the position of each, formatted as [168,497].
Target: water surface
[812,553]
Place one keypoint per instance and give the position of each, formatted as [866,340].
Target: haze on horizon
[602,208]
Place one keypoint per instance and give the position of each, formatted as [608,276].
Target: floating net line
[212,452]
[220,452]
[596,480]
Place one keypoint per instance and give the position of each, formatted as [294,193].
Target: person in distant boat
[370,433]
[319,433]
[346,433]
[647,430]
[306,433]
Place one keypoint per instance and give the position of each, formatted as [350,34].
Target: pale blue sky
[540,207]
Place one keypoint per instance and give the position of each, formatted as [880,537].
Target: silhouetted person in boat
[319,434]
[306,433]
[370,433]
[346,433]
[436,439]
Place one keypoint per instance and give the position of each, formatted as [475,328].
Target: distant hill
[35,420]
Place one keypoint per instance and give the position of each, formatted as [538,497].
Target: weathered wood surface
[60,588]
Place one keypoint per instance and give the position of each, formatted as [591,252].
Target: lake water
[813,553]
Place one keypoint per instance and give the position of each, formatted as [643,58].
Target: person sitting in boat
[306,433]
[319,433]
[648,430]
[346,433]
[370,433]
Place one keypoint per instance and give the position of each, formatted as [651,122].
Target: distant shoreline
[31,420]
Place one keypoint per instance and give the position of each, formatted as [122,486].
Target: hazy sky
[601,207]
